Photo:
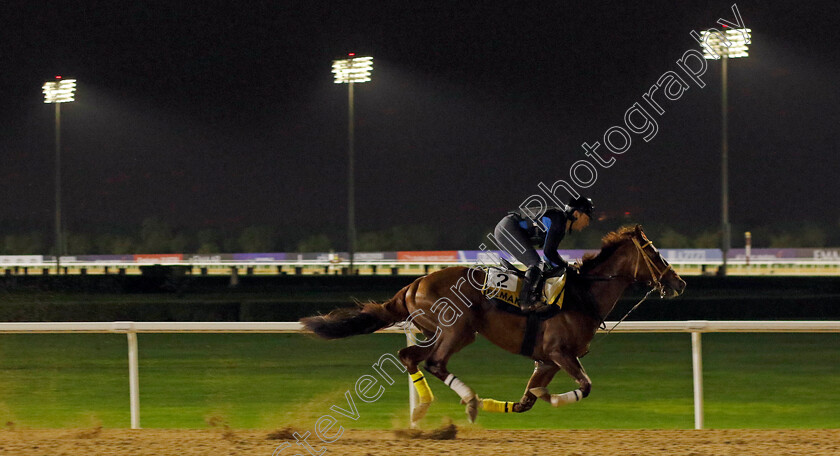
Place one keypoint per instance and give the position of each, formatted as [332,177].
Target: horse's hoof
[419,412]
[472,409]
[541,392]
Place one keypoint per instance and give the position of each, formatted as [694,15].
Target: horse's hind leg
[436,365]
[411,357]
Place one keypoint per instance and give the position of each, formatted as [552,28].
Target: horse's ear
[641,233]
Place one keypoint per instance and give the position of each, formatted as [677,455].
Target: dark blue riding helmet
[582,205]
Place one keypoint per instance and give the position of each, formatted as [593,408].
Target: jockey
[519,230]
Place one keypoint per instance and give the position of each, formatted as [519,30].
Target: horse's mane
[578,296]
[609,243]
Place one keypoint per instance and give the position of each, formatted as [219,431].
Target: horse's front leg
[543,373]
[570,364]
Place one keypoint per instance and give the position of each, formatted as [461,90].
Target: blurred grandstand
[781,261]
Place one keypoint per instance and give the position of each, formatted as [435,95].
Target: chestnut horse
[450,312]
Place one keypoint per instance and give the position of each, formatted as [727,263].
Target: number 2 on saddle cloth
[504,288]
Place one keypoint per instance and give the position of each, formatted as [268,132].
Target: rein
[655,283]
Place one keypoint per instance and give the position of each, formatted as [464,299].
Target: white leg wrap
[459,387]
[566,398]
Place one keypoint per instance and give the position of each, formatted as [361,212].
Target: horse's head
[650,267]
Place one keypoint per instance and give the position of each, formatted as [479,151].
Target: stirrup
[535,306]
[527,300]
[531,305]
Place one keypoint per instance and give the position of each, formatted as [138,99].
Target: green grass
[268,381]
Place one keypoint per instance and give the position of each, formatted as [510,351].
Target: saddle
[503,286]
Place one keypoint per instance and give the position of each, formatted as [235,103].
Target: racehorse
[449,307]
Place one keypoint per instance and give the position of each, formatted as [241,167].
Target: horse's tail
[362,319]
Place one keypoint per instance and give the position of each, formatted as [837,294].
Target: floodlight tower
[56,92]
[351,71]
[729,44]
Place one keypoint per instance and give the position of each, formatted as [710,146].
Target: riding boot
[530,287]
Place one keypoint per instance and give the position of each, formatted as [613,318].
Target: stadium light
[351,71]
[356,69]
[730,44]
[59,91]
[56,92]
[725,45]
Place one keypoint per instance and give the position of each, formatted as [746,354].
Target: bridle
[655,273]
[655,282]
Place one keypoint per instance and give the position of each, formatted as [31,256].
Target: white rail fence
[131,329]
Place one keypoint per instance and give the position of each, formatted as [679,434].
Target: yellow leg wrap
[423,389]
[492,405]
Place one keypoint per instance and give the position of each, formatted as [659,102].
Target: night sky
[224,114]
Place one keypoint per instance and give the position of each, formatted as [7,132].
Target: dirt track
[363,443]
